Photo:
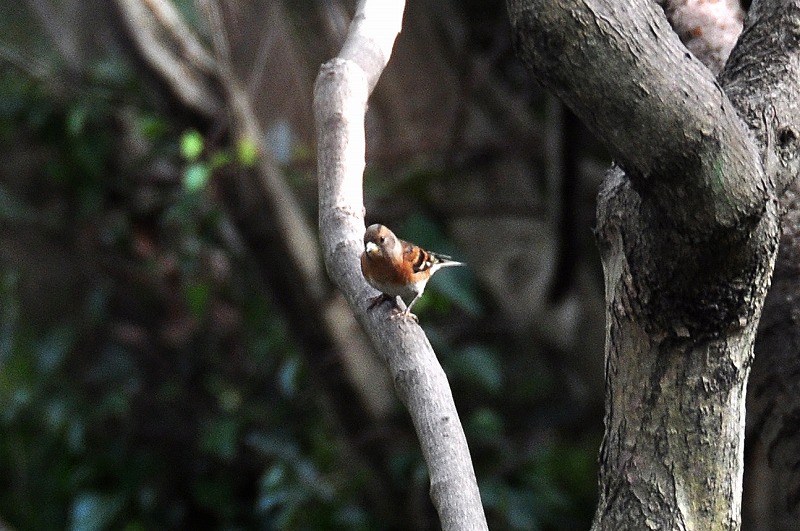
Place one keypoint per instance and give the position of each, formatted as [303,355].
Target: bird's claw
[397,312]
[404,314]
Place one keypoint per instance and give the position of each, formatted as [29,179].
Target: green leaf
[153,127]
[195,177]
[197,296]
[221,438]
[92,511]
[191,145]
[247,152]
[76,119]
[219,159]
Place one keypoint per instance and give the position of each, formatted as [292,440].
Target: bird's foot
[397,312]
[404,314]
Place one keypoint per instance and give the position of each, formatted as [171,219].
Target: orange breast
[387,277]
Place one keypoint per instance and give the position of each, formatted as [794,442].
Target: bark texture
[688,228]
[340,99]
[764,70]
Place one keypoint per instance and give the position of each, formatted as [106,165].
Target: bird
[398,268]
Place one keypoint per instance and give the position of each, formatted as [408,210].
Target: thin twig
[192,48]
[30,65]
[188,84]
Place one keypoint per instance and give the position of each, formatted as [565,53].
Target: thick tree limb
[340,99]
[763,79]
[625,73]
[772,479]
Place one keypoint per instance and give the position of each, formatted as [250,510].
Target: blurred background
[172,355]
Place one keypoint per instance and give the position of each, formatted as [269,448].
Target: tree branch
[624,72]
[340,98]
[335,341]
[192,87]
[762,78]
[182,34]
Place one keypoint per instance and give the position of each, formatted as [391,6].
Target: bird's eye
[382,239]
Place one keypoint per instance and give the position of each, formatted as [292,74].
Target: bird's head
[380,241]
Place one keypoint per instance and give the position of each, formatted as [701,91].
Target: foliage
[165,389]
[173,397]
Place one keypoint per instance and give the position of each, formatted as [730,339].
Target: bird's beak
[372,248]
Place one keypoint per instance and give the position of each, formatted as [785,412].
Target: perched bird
[398,268]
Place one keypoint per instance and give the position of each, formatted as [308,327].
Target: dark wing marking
[423,260]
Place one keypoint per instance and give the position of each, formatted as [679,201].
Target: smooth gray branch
[340,100]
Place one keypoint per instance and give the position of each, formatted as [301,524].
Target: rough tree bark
[688,227]
[774,392]
[340,99]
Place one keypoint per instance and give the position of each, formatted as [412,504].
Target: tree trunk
[688,228]
[772,475]
[675,371]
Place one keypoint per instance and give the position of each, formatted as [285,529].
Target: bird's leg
[406,314]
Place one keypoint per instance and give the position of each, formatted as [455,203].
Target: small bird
[398,268]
